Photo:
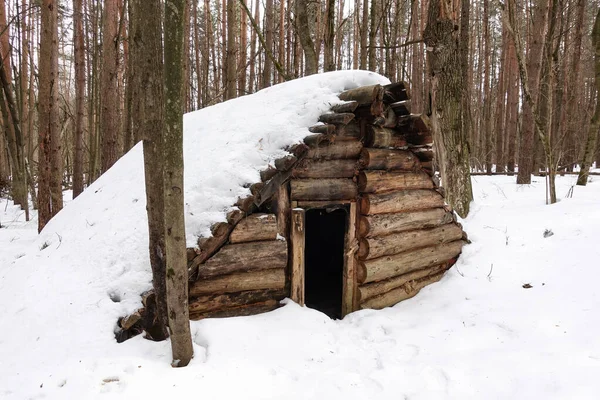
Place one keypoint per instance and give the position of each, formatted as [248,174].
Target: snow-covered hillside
[516,318]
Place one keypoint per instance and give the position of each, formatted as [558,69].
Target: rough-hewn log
[320,139]
[390,118]
[364,95]
[423,153]
[389,266]
[414,123]
[271,187]
[395,92]
[419,138]
[323,189]
[400,201]
[268,173]
[395,243]
[308,204]
[206,303]
[297,239]
[385,224]
[255,280]
[285,163]
[380,137]
[369,290]
[245,257]
[406,291]
[311,168]
[326,129]
[335,118]
[383,181]
[346,149]
[242,311]
[245,204]
[347,107]
[254,228]
[349,291]
[348,132]
[283,210]
[401,108]
[297,149]
[388,159]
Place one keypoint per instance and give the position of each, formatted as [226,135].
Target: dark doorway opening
[324,259]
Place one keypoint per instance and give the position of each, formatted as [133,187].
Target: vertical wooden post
[297,270]
[283,210]
[350,247]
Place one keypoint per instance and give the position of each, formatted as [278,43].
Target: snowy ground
[476,334]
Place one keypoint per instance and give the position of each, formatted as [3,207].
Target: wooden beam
[297,267]
[349,271]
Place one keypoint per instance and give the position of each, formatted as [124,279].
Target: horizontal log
[385,224]
[285,163]
[406,291]
[383,181]
[364,95]
[346,149]
[242,311]
[323,189]
[346,107]
[419,138]
[395,243]
[335,118]
[255,227]
[307,204]
[395,92]
[348,132]
[388,159]
[386,267]
[255,280]
[400,201]
[206,303]
[401,108]
[369,290]
[268,254]
[271,187]
[320,139]
[380,137]
[311,168]
[327,129]
[414,123]
[424,154]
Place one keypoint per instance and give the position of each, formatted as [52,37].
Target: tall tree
[110,99]
[447,54]
[303,29]
[175,248]
[231,54]
[329,39]
[79,95]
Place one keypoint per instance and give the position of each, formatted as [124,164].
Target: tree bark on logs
[323,189]
[243,281]
[311,168]
[406,291]
[384,137]
[214,302]
[251,256]
[370,290]
[385,224]
[255,227]
[249,309]
[400,201]
[402,263]
[348,107]
[383,181]
[399,242]
[364,95]
[388,159]
[336,150]
[334,118]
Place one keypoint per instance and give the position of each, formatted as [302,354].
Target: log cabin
[352,218]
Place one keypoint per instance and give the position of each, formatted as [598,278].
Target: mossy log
[406,291]
[241,311]
[400,201]
[323,189]
[383,181]
[379,137]
[336,150]
[214,302]
[311,168]
[398,264]
[385,224]
[388,159]
[254,280]
[267,254]
[369,290]
[255,227]
[395,243]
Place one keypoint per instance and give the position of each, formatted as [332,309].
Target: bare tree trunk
[512,108]
[364,32]
[267,70]
[446,56]
[230,60]
[486,131]
[592,139]
[79,96]
[329,38]
[373,19]
[110,99]
[243,53]
[500,102]
[175,249]
[303,30]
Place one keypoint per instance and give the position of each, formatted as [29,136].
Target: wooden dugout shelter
[352,218]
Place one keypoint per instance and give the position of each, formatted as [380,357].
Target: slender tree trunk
[303,29]
[79,96]
[243,53]
[110,97]
[500,102]
[373,18]
[329,38]
[512,110]
[364,32]
[446,56]
[175,248]
[267,70]
[231,61]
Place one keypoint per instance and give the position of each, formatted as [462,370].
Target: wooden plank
[307,204]
[323,189]
[297,243]
[349,269]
